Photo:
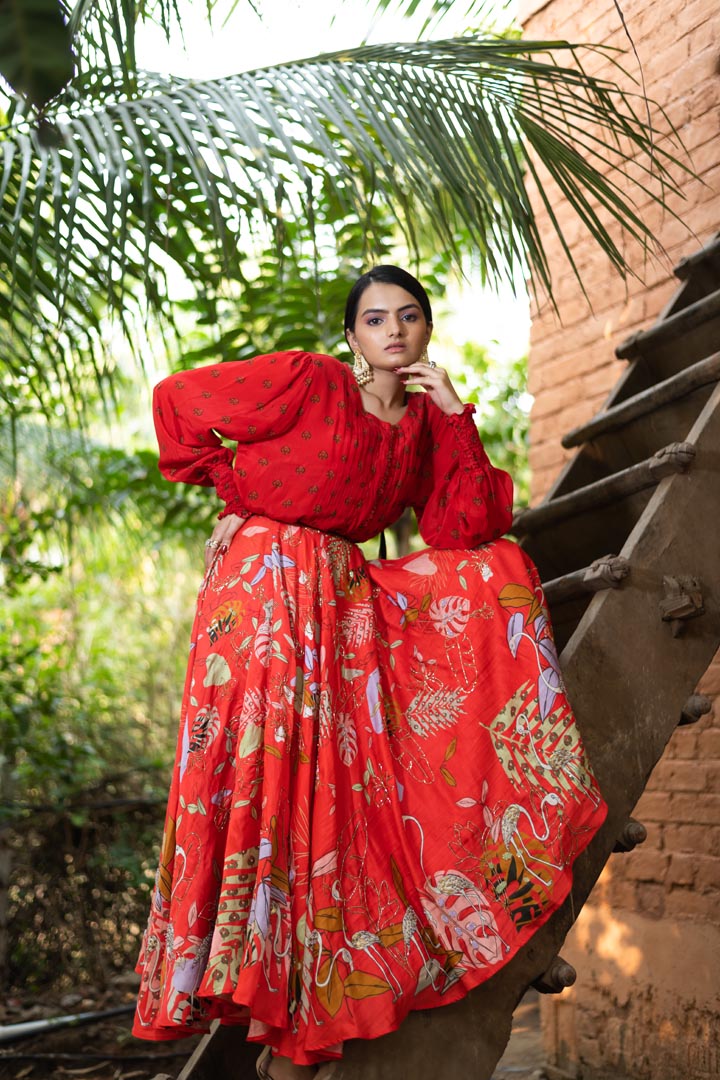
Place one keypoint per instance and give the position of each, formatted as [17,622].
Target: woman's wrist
[234,508]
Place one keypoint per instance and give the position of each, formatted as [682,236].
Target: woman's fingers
[436,381]
[221,536]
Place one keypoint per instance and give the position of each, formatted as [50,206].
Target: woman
[379,787]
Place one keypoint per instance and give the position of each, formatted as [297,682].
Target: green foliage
[128,174]
[503,413]
[91,669]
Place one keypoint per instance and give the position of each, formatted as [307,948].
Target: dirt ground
[106,1051]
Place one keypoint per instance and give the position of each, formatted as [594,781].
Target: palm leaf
[446,131]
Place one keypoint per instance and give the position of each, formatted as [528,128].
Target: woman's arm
[244,401]
[463,499]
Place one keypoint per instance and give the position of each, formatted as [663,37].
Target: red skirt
[378,794]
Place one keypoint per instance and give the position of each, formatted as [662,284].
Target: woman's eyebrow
[384,311]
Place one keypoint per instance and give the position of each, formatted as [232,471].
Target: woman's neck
[388,392]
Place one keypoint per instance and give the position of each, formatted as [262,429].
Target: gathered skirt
[378,793]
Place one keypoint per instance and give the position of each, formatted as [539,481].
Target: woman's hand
[221,536]
[436,381]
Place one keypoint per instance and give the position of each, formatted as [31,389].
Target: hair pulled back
[386,274]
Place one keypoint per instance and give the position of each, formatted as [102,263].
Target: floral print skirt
[378,794]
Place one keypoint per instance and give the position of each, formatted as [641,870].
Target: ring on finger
[431,363]
[212,544]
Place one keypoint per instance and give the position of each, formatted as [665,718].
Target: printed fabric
[378,794]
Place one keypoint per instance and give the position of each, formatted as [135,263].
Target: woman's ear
[351,340]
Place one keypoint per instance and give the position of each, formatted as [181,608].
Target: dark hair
[386,275]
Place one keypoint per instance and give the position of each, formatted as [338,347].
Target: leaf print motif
[515,627]
[547,648]
[329,919]
[218,671]
[433,709]
[346,738]
[326,864]
[357,627]
[448,776]
[514,595]
[329,987]
[205,728]
[450,614]
[423,565]
[390,935]
[251,741]
[548,689]
[264,636]
[254,707]
[362,984]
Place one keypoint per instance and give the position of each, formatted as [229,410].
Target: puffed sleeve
[240,400]
[464,500]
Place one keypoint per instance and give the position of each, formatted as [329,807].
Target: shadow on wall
[647,999]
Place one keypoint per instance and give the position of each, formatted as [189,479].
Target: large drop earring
[361,369]
[424,358]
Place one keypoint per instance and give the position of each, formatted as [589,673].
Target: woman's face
[390,329]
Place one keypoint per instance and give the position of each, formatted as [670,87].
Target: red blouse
[309,453]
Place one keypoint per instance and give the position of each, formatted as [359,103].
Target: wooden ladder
[626,545]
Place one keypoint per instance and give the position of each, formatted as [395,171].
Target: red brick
[642,865]
[709,744]
[686,904]
[697,13]
[556,398]
[707,873]
[690,838]
[653,806]
[683,745]
[622,894]
[681,775]
[682,869]
[691,809]
[651,899]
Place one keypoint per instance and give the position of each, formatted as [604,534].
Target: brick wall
[647,946]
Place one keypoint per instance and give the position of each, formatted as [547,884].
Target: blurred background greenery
[150,222]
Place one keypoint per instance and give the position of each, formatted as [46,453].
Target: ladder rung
[671,459]
[605,573]
[667,330]
[662,393]
[688,264]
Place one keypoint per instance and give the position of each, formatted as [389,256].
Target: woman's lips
[394,348]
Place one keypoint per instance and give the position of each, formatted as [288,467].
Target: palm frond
[447,132]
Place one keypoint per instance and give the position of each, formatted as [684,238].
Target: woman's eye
[374,320]
[410,317]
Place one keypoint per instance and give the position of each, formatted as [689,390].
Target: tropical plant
[124,173]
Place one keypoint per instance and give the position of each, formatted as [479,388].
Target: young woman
[379,788]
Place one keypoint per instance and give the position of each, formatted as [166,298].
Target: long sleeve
[243,401]
[463,499]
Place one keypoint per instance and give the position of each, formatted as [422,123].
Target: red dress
[379,788]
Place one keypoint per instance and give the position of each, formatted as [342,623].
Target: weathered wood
[628,679]
[663,393]
[710,252]
[671,459]
[605,573]
[633,834]
[697,705]
[557,978]
[625,720]
[670,329]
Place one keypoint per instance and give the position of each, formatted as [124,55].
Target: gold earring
[361,369]
[424,359]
